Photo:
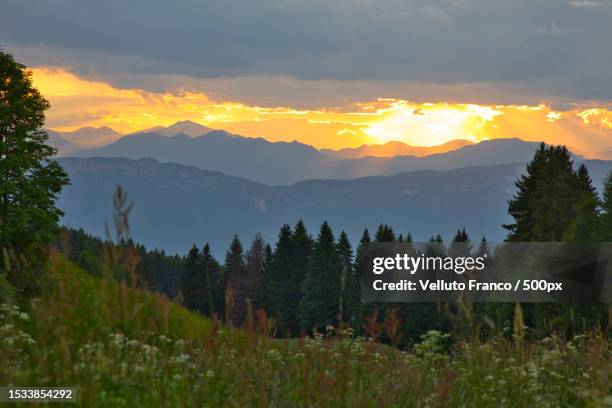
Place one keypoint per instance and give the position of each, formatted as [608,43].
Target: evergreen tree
[355,308]
[410,247]
[213,285]
[545,203]
[267,270]
[586,225]
[275,284]
[483,248]
[606,213]
[321,288]
[384,233]
[345,251]
[461,245]
[30,180]
[235,269]
[193,281]
[254,279]
[301,249]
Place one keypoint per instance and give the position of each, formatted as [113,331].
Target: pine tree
[235,268]
[606,213]
[212,280]
[547,196]
[586,225]
[267,270]
[254,272]
[275,284]
[301,247]
[348,274]
[356,309]
[461,245]
[384,233]
[30,180]
[321,288]
[193,281]
[483,249]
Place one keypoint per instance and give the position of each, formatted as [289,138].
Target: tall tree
[461,245]
[321,288]
[254,272]
[545,203]
[30,180]
[384,233]
[212,281]
[275,284]
[301,250]
[606,213]
[193,282]
[586,225]
[235,268]
[345,251]
[355,308]
[483,248]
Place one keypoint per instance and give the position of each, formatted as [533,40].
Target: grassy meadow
[122,346]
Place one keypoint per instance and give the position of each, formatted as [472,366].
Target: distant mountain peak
[186,127]
[90,136]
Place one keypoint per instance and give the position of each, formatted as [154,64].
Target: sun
[430,124]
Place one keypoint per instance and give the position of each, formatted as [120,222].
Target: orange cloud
[76,102]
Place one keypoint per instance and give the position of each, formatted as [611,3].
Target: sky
[331,74]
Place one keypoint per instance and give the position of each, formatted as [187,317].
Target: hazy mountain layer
[395,148]
[176,205]
[286,163]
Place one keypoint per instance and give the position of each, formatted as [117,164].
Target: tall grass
[124,346]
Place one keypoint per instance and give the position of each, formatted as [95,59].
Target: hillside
[121,346]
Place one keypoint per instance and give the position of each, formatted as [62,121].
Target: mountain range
[85,138]
[282,163]
[177,206]
[395,148]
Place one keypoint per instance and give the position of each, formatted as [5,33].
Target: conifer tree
[356,309]
[267,270]
[483,248]
[212,280]
[275,284]
[345,251]
[235,268]
[547,196]
[301,250]
[254,272]
[606,213]
[193,281]
[321,288]
[586,225]
[461,245]
[384,233]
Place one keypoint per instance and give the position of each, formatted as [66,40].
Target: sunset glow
[76,102]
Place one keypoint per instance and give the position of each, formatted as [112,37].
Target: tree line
[310,282]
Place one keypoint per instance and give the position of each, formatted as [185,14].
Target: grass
[120,346]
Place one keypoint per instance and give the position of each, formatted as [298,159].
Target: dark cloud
[562,47]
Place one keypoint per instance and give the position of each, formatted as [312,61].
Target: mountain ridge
[177,206]
[395,148]
[283,163]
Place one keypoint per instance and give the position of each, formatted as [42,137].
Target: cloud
[437,42]
[76,102]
